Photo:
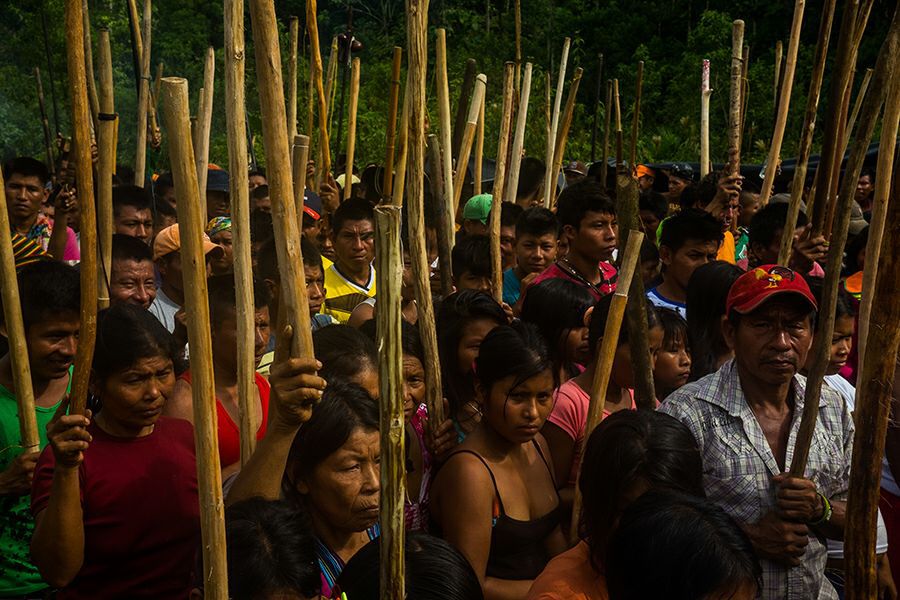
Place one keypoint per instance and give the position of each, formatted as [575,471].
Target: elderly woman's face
[134,398]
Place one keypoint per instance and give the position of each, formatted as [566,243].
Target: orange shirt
[726,250]
[570,576]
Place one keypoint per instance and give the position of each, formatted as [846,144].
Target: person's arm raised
[59,235]
[295,390]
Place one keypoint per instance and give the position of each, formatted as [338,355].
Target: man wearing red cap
[745,418]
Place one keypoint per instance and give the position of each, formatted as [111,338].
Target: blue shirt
[512,287]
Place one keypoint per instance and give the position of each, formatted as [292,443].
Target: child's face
[315,288]
[673,367]
[535,253]
[595,238]
[681,263]
[470,281]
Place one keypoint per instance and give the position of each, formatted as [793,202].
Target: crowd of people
[693,500]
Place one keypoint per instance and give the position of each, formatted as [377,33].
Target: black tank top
[517,547]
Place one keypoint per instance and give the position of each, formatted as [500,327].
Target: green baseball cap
[478,208]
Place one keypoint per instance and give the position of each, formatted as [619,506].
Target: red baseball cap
[757,285]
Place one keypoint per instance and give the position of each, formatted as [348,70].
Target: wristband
[826,512]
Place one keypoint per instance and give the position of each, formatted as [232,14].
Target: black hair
[48,288]
[705,189]
[655,203]
[165,209]
[272,549]
[162,183]
[344,408]
[267,258]
[435,570]
[649,251]
[26,167]
[598,322]
[688,197]
[455,313]
[354,209]
[509,214]
[537,221]
[627,448]
[222,295]
[311,255]
[657,529]
[531,177]
[472,254]
[690,224]
[768,221]
[516,350]
[261,171]
[261,228]
[344,352]
[260,192]
[851,252]
[867,172]
[130,195]
[556,307]
[410,340]
[126,247]
[844,305]
[674,328]
[581,198]
[128,333]
[707,291]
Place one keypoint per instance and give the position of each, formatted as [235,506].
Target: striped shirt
[738,465]
[343,295]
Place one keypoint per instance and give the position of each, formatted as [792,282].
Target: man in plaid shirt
[745,418]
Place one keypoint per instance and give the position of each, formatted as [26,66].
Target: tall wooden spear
[84,181]
[519,139]
[140,157]
[312,28]
[204,126]
[93,99]
[478,162]
[549,182]
[465,146]
[446,230]
[636,116]
[175,113]
[396,64]
[596,111]
[462,103]
[607,119]
[351,127]
[292,78]
[518,19]
[509,74]
[299,158]
[734,112]
[399,190]
[443,98]
[563,132]
[106,164]
[705,93]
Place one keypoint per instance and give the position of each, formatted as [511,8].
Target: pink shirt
[604,288]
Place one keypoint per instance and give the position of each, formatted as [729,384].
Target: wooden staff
[479,151]
[840,151]
[776,82]
[519,138]
[15,333]
[281,188]
[606,352]
[885,69]
[300,157]
[140,157]
[389,273]
[292,78]
[446,230]
[462,103]
[734,113]
[443,101]
[745,89]
[204,126]
[518,19]
[400,177]
[239,194]
[618,110]
[563,134]
[636,116]
[705,93]
[84,181]
[549,182]
[396,64]
[857,104]
[45,123]
[312,28]
[351,127]
[806,135]
[152,107]
[191,221]
[596,110]
[134,21]
[465,146]
[93,99]
[787,83]
[416,27]
[607,119]
[509,73]
[330,79]
[105,164]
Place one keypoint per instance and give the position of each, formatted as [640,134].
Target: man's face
[217,204]
[263,204]
[315,288]
[507,246]
[170,270]
[135,222]
[224,338]
[256,180]
[645,182]
[24,197]
[771,344]
[535,253]
[728,212]
[595,238]
[132,282]
[354,245]
[676,185]
[680,264]
[52,343]
[311,229]
[863,188]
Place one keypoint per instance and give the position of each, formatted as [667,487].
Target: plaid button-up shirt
[738,465]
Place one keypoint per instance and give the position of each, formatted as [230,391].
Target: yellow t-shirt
[726,250]
[342,295]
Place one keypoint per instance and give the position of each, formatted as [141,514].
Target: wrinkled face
[24,197]
[134,398]
[413,385]
[52,343]
[673,367]
[315,288]
[132,282]
[517,412]
[474,333]
[507,246]
[217,204]
[343,490]
[224,263]
[135,222]
[681,263]
[535,253]
[354,245]
[864,187]
[595,238]
[771,343]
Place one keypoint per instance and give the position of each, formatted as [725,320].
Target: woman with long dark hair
[706,294]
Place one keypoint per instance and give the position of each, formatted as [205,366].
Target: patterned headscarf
[218,225]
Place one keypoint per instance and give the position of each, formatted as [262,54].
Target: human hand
[807,249]
[330,194]
[442,439]
[727,188]
[797,499]
[778,540]
[296,388]
[64,203]
[69,439]
[16,479]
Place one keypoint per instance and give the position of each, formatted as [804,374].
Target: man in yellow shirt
[351,279]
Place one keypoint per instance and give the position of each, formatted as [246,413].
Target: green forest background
[670,36]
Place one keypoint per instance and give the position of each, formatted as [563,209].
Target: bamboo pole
[446,230]
[351,127]
[292,78]
[396,64]
[134,21]
[300,157]
[465,146]
[152,123]
[745,89]
[618,111]
[400,177]
[563,133]
[776,81]
[509,73]
[443,102]
[596,110]
[204,126]
[389,273]
[607,118]
[15,334]
[330,79]
[45,123]
[806,135]
[734,112]
[84,181]
[857,104]
[840,151]
[93,99]
[239,194]
[416,27]
[312,28]
[606,352]
[174,94]
[705,93]
[140,157]
[462,103]
[519,138]
[281,188]
[518,19]
[885,69]
[787,82]
[479,151]
[636,116]
[549,182]
[105,165]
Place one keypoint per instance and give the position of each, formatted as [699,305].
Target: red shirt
[229,431]
[560,270]
[141,513]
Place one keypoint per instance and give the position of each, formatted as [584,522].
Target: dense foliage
[671,37]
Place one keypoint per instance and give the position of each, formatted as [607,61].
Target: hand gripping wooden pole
[509,74]
[465,146]
[106,165]
[549,182]
[734,111]
[351,127]
[515,163]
